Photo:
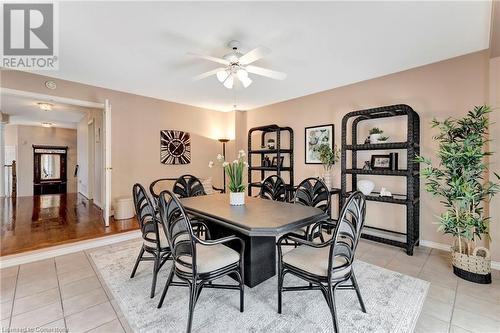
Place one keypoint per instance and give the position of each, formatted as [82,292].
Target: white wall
[83,159]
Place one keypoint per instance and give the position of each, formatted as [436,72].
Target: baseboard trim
[58,250]
[435,245]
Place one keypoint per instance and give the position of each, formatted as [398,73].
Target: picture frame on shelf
[275,161]
[381,162]
[314,137]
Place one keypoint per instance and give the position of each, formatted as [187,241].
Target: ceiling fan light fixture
[243,77]
[228,83]
[222,75]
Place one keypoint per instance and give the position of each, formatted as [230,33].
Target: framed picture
[175,147]
[316,136]
[381,162]
[275,161]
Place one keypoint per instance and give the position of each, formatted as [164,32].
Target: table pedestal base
[260,254]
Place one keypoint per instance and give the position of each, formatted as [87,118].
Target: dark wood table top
[258,217]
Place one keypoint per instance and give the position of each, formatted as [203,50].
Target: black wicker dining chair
[188,186]
[197,262]
[160,185]
[154,241]
[313,192]
[273,188]
[327,266]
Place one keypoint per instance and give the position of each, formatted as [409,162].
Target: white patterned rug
[393,301]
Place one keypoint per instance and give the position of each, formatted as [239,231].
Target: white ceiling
[25,111]
[141,47]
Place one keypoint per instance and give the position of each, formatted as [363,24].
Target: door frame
[106,165]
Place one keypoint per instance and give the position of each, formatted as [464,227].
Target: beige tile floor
[66,293]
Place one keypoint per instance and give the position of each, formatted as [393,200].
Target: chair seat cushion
[150,238]
[314,260]
[210,258]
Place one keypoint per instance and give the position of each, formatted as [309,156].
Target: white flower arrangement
[234,171]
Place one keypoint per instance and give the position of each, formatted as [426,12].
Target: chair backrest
[145,214]
[273,188]
[188,186]
[313,192]
[346,236]
[178,230]
[161,185]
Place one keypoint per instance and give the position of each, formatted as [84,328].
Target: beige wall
[495,159]
[447,88]
[136,124]
[27,136]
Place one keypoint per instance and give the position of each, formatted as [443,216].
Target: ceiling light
[50,85]
[222,75]
[228,83]
[243,77]
[45,106]
[47,124]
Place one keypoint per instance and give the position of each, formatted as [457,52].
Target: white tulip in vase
[234,172]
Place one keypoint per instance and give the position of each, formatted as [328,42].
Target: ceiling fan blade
[266,72]
[210,58]
[254,55]
[207,74]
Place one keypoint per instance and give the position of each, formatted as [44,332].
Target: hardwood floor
[31,223]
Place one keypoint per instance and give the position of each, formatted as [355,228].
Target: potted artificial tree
[459,181]
[328,157]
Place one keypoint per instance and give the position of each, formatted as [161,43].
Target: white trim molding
[435,245]
[48,98]
[58,250]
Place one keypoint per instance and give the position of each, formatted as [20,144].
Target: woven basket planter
[475,268]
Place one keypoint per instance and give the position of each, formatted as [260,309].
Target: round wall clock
[175,147]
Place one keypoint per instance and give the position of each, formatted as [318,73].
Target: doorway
[91,158]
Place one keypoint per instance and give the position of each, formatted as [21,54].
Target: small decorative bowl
[366,186]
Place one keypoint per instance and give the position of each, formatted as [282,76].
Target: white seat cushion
[210,258]
[314,260]
[151,235]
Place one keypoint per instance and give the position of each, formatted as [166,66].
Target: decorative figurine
[367,141]
[367,166]
[385,193]
[271,144]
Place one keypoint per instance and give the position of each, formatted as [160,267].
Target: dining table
[258,222]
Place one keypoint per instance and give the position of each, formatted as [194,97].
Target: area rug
[393,301]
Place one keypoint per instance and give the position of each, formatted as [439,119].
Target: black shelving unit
[411,198]
[276,131]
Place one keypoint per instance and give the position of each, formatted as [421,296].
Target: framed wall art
[175,147]
[315,136]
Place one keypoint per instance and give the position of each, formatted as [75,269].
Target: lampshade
[228,83]
[243,77]
[222,75]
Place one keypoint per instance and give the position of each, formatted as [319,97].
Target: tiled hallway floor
[65,292]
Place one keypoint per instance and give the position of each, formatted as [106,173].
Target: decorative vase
[327,179]
[366,186]
[474,268]
[236,198]
[374,138]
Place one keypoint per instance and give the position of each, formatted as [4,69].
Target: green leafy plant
[383,138]
[376,130]
[328,156]
[234,171]
[459,178]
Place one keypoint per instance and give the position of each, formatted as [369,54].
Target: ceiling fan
[237,66]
